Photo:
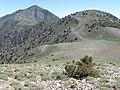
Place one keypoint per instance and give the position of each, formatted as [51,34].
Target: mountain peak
[34,7]
[30,16]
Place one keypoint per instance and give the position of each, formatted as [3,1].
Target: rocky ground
[39,76]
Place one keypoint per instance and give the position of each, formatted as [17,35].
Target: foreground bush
[82,68]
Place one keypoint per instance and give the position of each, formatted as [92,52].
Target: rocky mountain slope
[47,73]
[29,16]
[13,27]
[18,41]
[36,35]
[89,24]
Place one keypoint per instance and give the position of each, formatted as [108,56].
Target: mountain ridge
[38,50]
[32,15]
[76,27]
[13,26]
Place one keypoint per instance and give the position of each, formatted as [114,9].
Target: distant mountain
[81,26]
[29,16]
[13,27]
[86,25]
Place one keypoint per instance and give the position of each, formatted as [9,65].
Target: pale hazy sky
[61,8]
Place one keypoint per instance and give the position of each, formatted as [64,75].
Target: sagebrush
[82,68]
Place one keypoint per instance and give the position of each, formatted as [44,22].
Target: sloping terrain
[29,16]
[77,27]
[47,72]
[106,51]
[36,35]
[89,24]
[14,28]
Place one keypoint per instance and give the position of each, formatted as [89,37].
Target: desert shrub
[20,76]
[3,77]
[82,68]
[45,76]
[87,60]
[14,83]
[58,76]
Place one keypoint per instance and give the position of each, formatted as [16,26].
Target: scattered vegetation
[82,68]
[59,76]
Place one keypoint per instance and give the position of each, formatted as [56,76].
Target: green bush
[87,60]
[59,76]
[45,76]
[82,68]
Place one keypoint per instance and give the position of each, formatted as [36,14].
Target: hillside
[88,25]
[29,16]
[77,27]
[14,27]
[36,46]
[47,73]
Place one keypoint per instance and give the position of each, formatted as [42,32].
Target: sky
[61,8]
